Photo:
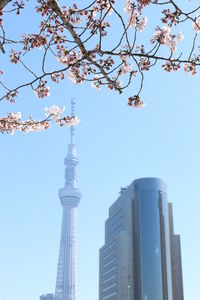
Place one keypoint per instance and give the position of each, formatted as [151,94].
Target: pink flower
[54,111]
[190,68]
[196,24]
[42,90]
[135,102]
[14,56]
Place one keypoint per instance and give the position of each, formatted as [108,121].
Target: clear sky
[115,145]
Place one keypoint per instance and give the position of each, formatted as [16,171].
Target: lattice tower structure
[69,195]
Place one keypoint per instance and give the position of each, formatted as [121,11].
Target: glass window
[109,271]
[151,265]
[111,245]
[109,262]
[112,253]
[109,296]
[109,287]
[110,278]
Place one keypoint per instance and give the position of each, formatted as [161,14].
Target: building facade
[47,297]
[141,258]
[69,197]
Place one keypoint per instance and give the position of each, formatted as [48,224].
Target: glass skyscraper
[141,258]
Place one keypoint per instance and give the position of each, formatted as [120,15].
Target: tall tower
[141,257]
[69,197]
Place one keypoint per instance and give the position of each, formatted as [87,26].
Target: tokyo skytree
[69,197]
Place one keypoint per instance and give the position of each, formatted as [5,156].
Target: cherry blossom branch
[13,122]
[80,40]
[54,6]
[3,3]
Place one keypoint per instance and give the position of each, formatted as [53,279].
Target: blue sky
[115,145]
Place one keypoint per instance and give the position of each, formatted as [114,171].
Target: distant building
[47,297]
[141,258]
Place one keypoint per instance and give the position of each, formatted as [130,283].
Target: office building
[141,257]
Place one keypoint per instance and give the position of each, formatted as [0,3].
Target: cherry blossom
[196,24]
[56,77]
[95,85]
[163,36]
[11,96]
[190,68]
[141,24]
[129,7]
[135,102]
[54,111]
[14,56]
[42,90]
[13,121]
[76,43]
[134,15]
[171,66]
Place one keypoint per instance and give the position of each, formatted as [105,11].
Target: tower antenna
[73,103]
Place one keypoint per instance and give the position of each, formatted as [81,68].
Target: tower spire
[71,160]
[73,103]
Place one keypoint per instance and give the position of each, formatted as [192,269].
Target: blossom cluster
[13,122]
[196,24]
[11,96]
[163,36]
[143,3]
[144,64]
[33,41]
[170,18]
[190,68]
[171,66]
[42,90]
[56,77]
[68,58]
[96,83]
[18,5]
[135,102]
[14,56]
[134,16]
[54,111]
